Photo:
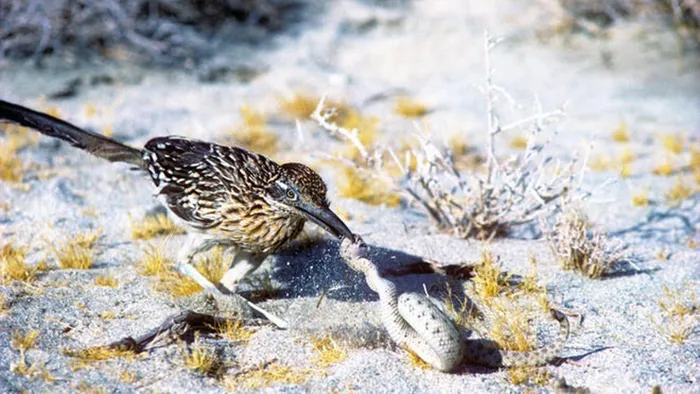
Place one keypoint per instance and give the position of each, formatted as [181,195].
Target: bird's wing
[198,179]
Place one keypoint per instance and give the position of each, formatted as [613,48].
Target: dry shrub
[579,247]
[509,193]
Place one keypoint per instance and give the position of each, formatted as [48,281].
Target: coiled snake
[415,323]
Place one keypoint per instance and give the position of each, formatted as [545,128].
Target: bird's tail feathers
[93,143]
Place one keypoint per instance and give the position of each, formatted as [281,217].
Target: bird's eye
[291,195]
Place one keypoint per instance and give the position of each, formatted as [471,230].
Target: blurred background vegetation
[185,32]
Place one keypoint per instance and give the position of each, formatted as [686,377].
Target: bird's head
[301,190]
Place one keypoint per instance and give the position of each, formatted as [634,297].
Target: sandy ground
[354,51]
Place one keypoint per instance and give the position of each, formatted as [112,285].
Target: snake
[418,325]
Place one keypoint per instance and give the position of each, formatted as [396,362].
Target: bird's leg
[193,246]
[243,264]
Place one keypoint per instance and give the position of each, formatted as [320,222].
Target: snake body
[415,323]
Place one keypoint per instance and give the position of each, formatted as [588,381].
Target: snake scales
[415,323]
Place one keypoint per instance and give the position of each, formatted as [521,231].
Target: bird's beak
[325,218]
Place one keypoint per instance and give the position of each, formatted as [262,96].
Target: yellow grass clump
[156,263]
[199,358]
[327,351]
[679,314]
[74,254]
[410,108]
[299,106]
[462,314]
[213,266]
[106,281]
[621,133]
[266,375]
[641,198]
[173,282]
[528,375]
[23,342]
[262,286]
[624,163]
[154,226]
[489,281]
[14,139]
[83,358]
[3,305]
[673,143]
[13,267]
[678,192]
[129,377]
[600,163]
[695,162]
[510,327]
[416,361]
[362,187]
[367,126]
[664,168]
[234,330]
[518,142]
[108,315]
[32,371]
[531,284]
[254,134]
[11,167]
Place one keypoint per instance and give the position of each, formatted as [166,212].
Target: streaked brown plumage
[226,191]
[221,194]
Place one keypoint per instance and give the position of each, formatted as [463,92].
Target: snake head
[357,239]
[352,248]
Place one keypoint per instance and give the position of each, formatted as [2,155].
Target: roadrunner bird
[222,195]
